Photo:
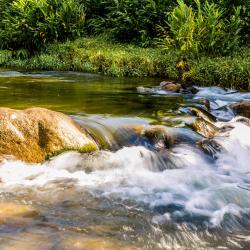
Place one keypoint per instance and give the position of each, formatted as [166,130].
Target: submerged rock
[143,90]
[98,243]
[33,134]
[28,240]
[243,120]
[242,108]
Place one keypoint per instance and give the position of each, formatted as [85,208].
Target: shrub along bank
[98,55]
[197,41]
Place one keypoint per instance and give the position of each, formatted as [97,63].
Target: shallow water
[131,194]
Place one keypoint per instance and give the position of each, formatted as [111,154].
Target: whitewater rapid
[214,191]
[177,197]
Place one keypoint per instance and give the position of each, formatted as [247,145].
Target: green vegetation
[139,21]
[28,25]
[226,71]
[97,55]
[130,38]
[203,30]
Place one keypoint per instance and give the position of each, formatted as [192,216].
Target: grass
[98,55]
[229,71]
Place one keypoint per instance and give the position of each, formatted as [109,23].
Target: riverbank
[97,55]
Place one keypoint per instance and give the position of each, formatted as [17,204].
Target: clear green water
[81,93]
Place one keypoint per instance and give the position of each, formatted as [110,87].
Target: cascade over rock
[34,134]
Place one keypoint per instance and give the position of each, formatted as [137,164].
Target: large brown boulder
[34,134]
[242,109]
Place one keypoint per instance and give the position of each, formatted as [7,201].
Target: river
[131,194]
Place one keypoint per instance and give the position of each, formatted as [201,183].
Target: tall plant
[203,29]
[181,22]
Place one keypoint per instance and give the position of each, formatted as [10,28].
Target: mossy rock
[32,135]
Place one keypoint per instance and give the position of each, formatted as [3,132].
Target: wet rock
[164,83]
[189,89]
[33,134]
[205,103]
[210,147]
[170,86]
[242,108]
[178,88]
[159,136]
[156,135]
[204,128]
[202,113]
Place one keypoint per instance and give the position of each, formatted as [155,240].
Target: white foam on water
[221,96]
[197,186]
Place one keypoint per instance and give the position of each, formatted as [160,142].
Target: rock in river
[204,127]
[33,134]
[170,86]
[242,108]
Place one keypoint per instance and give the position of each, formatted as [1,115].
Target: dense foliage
[126,20]
[203,29]
[139,20]
[30,24]
[219,26]
[159,34]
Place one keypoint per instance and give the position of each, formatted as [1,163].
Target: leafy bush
[203,29]
[127,20]
[30,24]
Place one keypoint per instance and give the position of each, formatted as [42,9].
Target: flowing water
[131,194]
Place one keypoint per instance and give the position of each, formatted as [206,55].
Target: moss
[87,148]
